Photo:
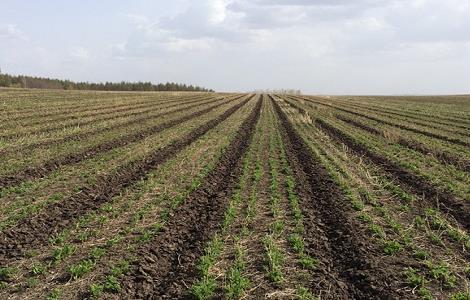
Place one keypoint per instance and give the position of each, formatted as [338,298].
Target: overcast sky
[318,46]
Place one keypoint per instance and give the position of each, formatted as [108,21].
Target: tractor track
[35,231]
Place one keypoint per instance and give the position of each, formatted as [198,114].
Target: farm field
[167,195]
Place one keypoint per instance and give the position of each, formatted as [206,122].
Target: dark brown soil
[167,265]
[445,201]
[35,231]
[49,166]
[445,158]
[404,127]
[350,267]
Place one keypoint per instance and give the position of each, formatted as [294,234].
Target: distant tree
[7,80]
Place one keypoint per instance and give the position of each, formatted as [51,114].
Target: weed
[212,251]
[107,207]
[145,236]
[455,234]
[467,272]
[102,220]
[165,215]
[60,238]
[56,197]
[114,241]
[31,253]
[229,217]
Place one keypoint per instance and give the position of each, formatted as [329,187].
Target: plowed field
[233,196]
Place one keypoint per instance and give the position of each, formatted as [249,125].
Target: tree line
[22,81]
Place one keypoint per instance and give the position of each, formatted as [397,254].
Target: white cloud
[317,45]
[79,53]
[11,31]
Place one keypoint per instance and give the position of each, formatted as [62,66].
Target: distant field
[233,196]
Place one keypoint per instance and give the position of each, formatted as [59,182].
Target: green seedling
[414,279]
[77,271]
[112,284]
[96,290]
[204,288]
[303,293]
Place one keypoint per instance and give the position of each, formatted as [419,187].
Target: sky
[318,46]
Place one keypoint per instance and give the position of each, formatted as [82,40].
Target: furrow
[459,209]
[352,272]
[35,231]
[168,263]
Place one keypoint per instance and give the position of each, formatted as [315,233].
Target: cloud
[317,45]
[11,31]
[79,53]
